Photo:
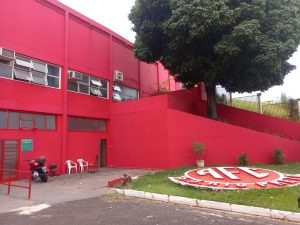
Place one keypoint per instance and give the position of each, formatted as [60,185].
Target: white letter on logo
[251,172]
[211,172]
[227,173]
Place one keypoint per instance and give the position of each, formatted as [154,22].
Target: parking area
[65,188]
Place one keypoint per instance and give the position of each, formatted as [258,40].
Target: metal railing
[10,177]
[286,110]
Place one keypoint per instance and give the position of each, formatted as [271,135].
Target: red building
[62,77]
[59,74]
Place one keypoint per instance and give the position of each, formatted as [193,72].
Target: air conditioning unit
[118,76]
[73,75]
[6,54]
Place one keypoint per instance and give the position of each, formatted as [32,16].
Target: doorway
[103,152]
[9,154]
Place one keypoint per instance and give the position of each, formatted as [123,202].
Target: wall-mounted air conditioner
[6,54]
[118,76]
[73,75]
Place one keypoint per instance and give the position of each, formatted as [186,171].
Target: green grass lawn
[277,198]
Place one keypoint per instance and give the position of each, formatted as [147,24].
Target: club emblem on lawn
[233,178]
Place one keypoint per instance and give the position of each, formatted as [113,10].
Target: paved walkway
[65,188]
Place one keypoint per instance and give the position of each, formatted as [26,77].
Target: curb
[227,207]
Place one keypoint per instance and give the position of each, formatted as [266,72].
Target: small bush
[243,160]
[198,148]
[278,156]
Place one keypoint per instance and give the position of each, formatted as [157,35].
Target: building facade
[60,72]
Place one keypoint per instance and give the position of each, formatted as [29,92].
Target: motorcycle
[38,169]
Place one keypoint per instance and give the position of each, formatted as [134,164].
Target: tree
[242,45]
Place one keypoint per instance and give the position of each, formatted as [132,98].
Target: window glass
[26,124]
[24,62]
[85,79]
[72,86]
[50,122]
[26,116]
[88,124]
[104,83]
[95,91]
[41,67]
[72,123]
[53,70]
[13,122]
[39,121]
[80,124]
[95,82]
[5,71]
[53,81]
[3,119]
[39,78]
[102,126]
[84,88]
[23,75]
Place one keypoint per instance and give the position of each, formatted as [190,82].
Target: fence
[16,178]
[286,110]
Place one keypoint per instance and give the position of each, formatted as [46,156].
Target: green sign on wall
[26,145]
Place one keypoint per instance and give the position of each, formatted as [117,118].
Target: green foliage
[243,160]
[278,156]
[198,148]
[242,45]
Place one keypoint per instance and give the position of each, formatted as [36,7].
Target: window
[16,120]
[6,71]
[84,124]
[50,122]
[31,70]
[39,121]
[24,62]
[26,120]
[23,75]
[13,121]
[123,93]
[39,78]
[87,84]
[53,76]
[3,119]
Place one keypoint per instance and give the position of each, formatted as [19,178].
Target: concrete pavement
[119,210]
[64,188]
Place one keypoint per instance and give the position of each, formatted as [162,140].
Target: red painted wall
[136,124]
[148,82]
[255,121]
[185,101]
[84,145]
[52,32]
[224,142]
[45,143]
[89,51]
[123,60]
[32,29]
[139,140]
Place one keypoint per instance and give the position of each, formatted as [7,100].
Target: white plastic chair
[71,165]
[82,164]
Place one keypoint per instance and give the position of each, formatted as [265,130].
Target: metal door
[9,151]
[103,147]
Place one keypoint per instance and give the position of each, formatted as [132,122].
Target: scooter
[38,169]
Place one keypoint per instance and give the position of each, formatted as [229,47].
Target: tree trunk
[211,101]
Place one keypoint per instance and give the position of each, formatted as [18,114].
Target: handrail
[8,181]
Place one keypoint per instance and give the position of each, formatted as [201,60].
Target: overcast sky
[114,15]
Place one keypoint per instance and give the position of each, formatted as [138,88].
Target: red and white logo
[233,178]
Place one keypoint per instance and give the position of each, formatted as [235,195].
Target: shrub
[198,148]
[243,159]
[278,156]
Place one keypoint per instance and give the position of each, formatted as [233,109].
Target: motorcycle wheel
[44,178]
